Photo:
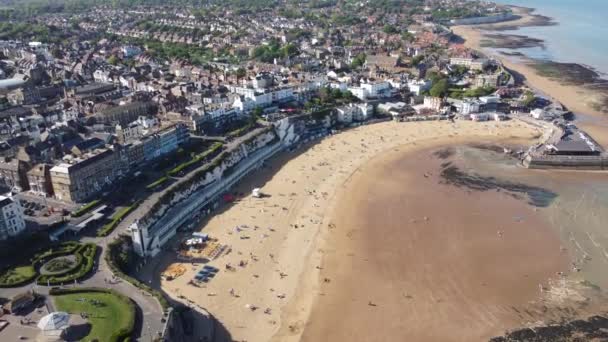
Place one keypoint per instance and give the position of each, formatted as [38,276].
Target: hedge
[109,258]
[86,208]
[109,228]
[5,283]
[121,335]
[241,131]
[85,256]
[158,182]
[66,248]
[211,150]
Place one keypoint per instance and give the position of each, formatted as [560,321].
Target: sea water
[580,36]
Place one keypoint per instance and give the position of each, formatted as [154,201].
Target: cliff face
[212,172]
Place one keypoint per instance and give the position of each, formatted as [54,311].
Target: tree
[336,93]
[407,36]
[325,94]
[57,53]
[417,60]
[289,50]
[440,88]
[257,113]
[113,60]
[528,98]
[358,61]
[240,73]
[389,29]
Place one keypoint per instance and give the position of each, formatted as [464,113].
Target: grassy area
[241,131]
[108,313]
[85,208]
[109,228]
[26,270]
[17,275]
[112,256]
[158,182]
[199,157]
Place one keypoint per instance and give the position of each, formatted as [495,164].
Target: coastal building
[418,86]
[164,141]
[11,218]
[78,179]
[125,114]
[471,63]
[433,103]
[13,174]
[39,178]
[354,112]
[372,89]
[468,106]
[480,117]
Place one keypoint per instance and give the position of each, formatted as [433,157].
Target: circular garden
[59,265]
[62,263]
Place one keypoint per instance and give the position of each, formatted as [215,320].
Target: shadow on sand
[187,321]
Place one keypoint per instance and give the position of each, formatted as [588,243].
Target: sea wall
[566,162]
[211,173]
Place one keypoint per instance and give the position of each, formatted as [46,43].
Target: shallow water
[577,206]
[581,35]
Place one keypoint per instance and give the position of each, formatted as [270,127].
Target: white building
[480,117]
[490,99]
[11,218]
[473,64]
[371,90]
[418,86]
[433,103]
[260,98]
[376,89]
[345,114]
[354,112]
[469,106]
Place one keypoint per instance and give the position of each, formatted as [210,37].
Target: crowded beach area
[271,268]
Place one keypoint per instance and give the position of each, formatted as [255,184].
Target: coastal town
[130,130]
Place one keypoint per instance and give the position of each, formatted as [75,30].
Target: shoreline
[580,99]
[301,196]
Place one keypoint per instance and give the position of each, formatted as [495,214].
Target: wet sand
[414,259]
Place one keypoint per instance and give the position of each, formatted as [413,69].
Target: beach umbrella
[54,321]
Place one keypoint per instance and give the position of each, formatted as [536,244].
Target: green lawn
[17,274]
[110,315]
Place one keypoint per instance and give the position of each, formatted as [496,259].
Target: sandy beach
[293,253]
[433,263]
[578,99]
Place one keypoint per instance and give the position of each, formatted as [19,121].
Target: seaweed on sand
[444,153]
[537,196]
[594,328]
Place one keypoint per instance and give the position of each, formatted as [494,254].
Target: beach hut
[257,193]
